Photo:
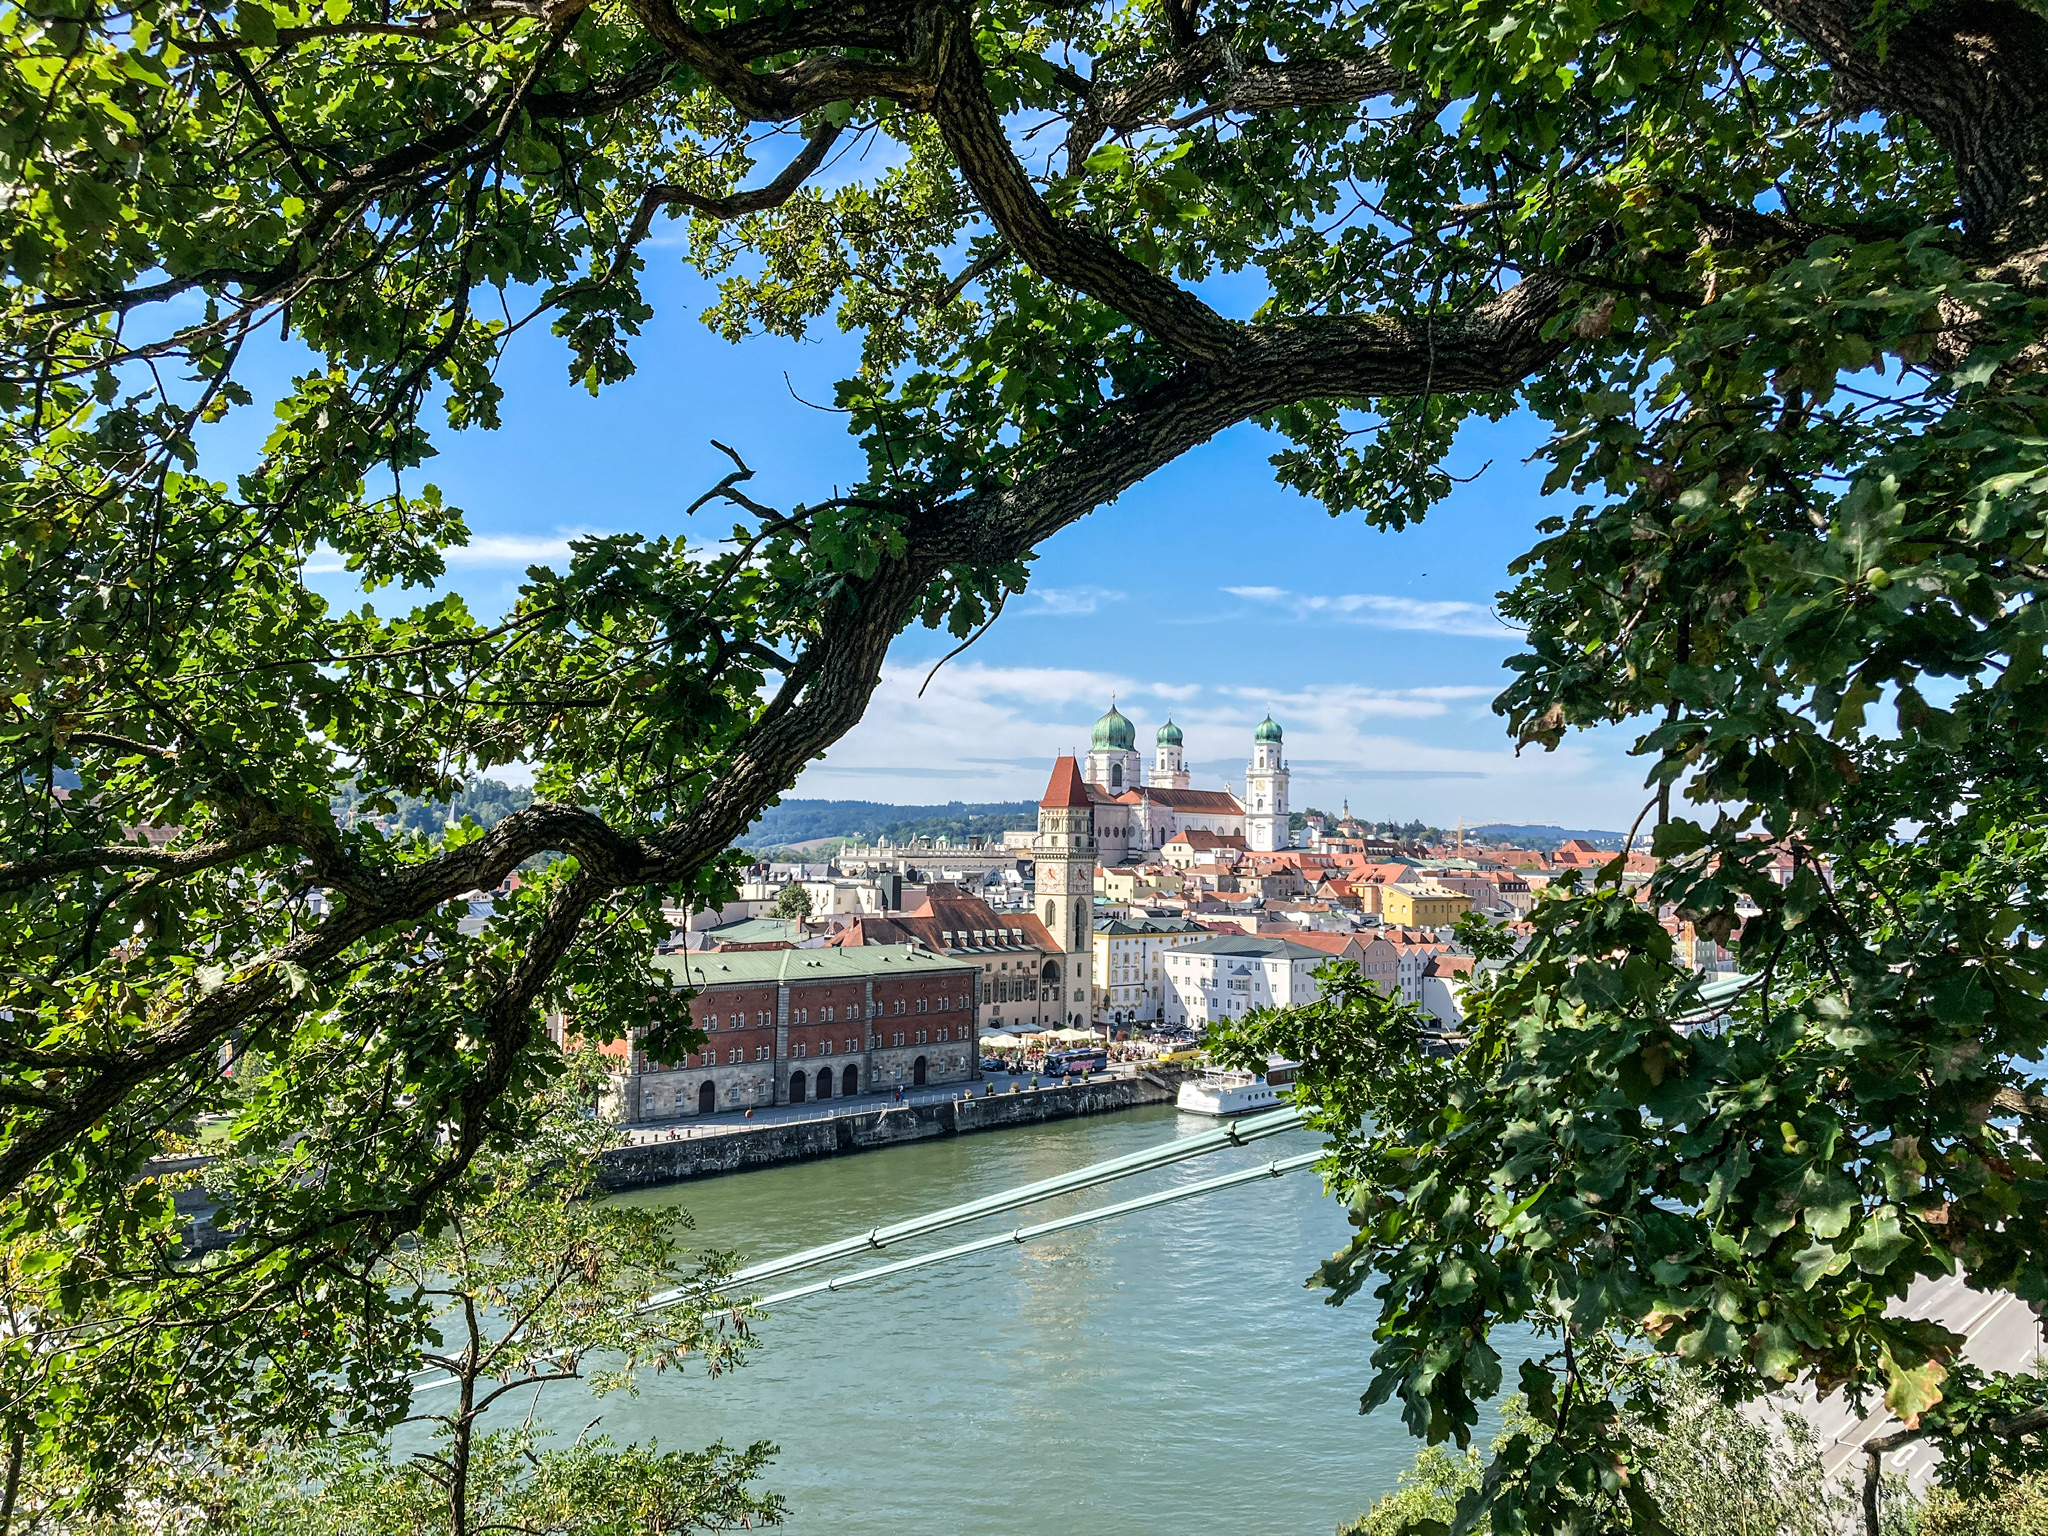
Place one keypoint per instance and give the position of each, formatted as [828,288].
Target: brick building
[791,1025]
[1019,964]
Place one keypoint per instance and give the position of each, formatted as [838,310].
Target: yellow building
[1130,978]
[1421,906]
[1130,884]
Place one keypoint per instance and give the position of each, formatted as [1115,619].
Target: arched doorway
[797,1082]
[849,1083]
[824,1082]
[707,1098]
[917,1070]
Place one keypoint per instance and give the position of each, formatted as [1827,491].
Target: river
[1160,1373]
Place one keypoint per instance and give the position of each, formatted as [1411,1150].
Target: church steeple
[1113,761]
[1063,863]
[1266,823]
[1169,771]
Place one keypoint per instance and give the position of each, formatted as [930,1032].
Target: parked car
[994,1064]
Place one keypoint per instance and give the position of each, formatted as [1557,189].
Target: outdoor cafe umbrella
[1073,1034]
[1001,1042]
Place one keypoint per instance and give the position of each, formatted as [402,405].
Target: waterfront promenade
[796,1133]
[727,1122]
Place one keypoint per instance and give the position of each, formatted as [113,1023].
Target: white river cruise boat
[1221,1092]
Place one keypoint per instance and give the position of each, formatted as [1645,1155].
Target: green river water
[1160,1373]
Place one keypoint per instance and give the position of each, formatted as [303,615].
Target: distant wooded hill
[1543,838]
[488,801]
[801,821]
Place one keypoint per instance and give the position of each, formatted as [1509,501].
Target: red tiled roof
[1101,796]
[1211,800]
[1329,943]
[1205,842]
[1065,790]
[951,912]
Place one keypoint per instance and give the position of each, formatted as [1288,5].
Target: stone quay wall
[765,1146]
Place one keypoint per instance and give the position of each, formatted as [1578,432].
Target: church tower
[1168,771]
[1064,857]
[1265,792]
[1113,761]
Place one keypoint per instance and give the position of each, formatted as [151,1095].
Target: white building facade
[1130,978]
[1226,978]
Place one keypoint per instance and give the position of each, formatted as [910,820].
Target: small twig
[993,616]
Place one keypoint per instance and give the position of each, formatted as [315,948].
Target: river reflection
[1165,1372]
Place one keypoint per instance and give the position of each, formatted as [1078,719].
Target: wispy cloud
[482,551]
[997,728]
[1379,610]
[1067,601]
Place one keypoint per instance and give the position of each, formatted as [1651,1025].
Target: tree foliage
[1770,271]
[517,1284]
[1717,1472]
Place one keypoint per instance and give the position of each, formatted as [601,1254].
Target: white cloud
[483,550]
[493,549]
[1068,601]
[1379,610]
[990,733]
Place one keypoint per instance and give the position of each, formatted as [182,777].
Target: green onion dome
[1169,735]
[1267,731]
[1114,732]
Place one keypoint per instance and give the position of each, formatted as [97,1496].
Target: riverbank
[869,1127]
[743,1147]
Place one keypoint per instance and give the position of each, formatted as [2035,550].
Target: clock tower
[1063,856]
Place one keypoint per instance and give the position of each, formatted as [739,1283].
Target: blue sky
[1208,592]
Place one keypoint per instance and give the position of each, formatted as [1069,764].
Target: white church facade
[1136,813]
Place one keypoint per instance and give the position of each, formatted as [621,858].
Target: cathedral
[1101,813]
[1135,813]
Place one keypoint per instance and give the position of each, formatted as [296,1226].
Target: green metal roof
[759,930]
[1169,735]
[860,962]
[1268,730]
[1114,732]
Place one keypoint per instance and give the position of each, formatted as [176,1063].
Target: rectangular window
[924,1005]
[852,1047]
[710,1021]
[799,1050]
[874,1042]
[760,1053]
[942,1035]
[945,1003]
[920,1037]
[735,1056]
[824,1047]
[899,1037]
[825,1013]
[764,1018]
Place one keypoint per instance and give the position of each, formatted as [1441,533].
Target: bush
[2011,1506]
[1716,1472]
